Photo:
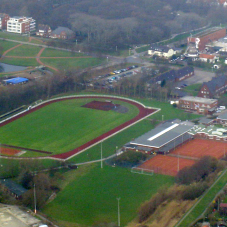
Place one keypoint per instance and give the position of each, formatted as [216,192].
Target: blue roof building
[17,80]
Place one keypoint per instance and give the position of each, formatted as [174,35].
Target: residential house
[213,88]
[3,20]
[21,25]
[161,51]
[43,30]
[173,75]
[62,33]
[208,58]
[201,105]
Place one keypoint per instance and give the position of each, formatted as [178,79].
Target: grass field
[91,198]
[193,89]
[70,63]
[24,51]
[20,61]
[7,45]
[57,53]
[13,36]
[62,126]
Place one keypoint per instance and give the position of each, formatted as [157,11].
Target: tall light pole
[34,200]
[101,156]
[118,212]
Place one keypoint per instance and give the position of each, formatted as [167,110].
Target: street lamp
[107,58]
[118,212]
[101,157]
[76,42]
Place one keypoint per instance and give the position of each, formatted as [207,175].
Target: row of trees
[112,23]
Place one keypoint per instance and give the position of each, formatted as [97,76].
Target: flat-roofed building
[21,25]
[201,105]
[163,138]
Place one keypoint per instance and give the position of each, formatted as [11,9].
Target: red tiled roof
[208,56]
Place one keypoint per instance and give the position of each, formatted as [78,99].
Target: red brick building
[62,33]
[3,20]
[213,88]
[201,105]
[205,38]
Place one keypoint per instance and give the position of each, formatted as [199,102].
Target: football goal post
[138,170]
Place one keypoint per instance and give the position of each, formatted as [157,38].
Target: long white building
[21,25]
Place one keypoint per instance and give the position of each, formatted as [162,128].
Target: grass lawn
[48,52]
[62,126]
[118,140]
[91,198]
[167,111]
[13,36]
[142,49]
[193,89]
[205,201]
[7,45]
[24,51]
[20,61]
[70,63]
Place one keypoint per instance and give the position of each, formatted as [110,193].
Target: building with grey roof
[173,75]
[164,137]
[213,88]
[13,188]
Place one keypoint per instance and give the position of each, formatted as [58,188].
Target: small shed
[13,188]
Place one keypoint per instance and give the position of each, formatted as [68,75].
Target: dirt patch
[121,109]
[99,105]
[9,151]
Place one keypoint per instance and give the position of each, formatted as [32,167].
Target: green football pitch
[62,126]
[91,198]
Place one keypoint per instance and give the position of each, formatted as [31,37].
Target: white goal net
[138,170]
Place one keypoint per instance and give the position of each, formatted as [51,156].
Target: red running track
[143,113]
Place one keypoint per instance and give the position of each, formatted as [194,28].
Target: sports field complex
[64,127]
[179,144]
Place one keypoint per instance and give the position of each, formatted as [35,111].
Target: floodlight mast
[34,199]
[101,157]
[118,212]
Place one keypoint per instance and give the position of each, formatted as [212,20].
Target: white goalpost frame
[138,170]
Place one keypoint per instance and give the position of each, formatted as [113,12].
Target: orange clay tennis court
[198,148]
[167,165]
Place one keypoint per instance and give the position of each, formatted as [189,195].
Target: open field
[62,126]
[166,164]
[20,61]
[199,147]
[7,45]
[91,198]
[13,36]
[24,51]
[58,53]
[72,63]
[167,111]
